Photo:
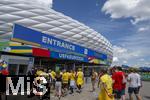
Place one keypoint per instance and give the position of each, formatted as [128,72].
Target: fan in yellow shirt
[53,74]
[65,79]
[80,79]
[105,86]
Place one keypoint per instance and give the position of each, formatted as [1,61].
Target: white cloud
[125,54]
[135,49]
[142,29]
[142,59]
[125,62]
[118,49]
[139,10]
[115,59]
[147,64]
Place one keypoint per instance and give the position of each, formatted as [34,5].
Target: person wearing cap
[80,79]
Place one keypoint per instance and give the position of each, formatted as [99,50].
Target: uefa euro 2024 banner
[68,56]
[32,37]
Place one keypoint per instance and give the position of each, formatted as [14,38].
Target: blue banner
[32,37]
[59,55]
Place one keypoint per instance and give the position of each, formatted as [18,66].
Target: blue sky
[126,23]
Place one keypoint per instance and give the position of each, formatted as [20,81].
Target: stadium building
[33,35]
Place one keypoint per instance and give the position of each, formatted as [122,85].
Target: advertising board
[68,56]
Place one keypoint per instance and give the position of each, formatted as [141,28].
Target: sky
[125,23]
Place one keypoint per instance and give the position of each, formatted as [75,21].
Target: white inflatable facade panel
[49,21]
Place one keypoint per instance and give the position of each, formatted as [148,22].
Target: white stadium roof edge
[50,22]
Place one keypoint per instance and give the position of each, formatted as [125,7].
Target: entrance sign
[51,41]
[32,37]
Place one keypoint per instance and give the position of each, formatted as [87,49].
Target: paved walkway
[145,91]
[86,94]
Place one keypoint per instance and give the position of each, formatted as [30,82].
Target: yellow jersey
[80,78]
[53,74]
[72,76]
[39,72]
[107,80]
[65,77]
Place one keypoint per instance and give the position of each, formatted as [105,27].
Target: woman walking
[58,85]
[80,79]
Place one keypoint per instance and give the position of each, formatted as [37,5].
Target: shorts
[58,87]
[123,92]
[72,83]
[139,88]
[133,89]
[117,93]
